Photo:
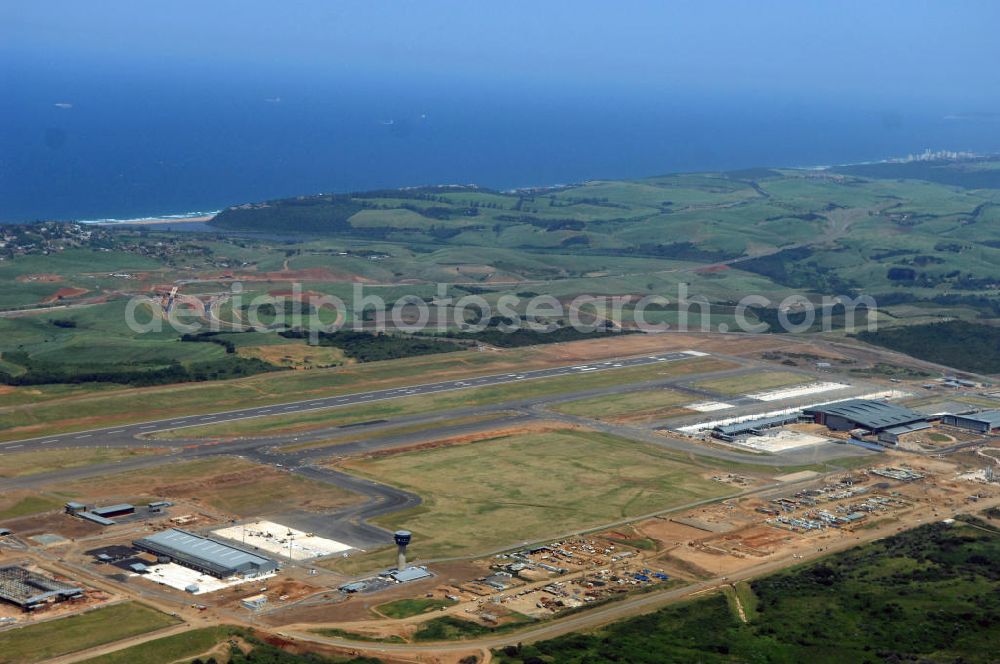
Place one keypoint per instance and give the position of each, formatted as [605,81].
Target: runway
[350,524]
[110,435]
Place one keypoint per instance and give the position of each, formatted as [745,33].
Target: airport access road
[110,435]
[593,617]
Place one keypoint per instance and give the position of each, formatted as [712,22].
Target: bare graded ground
[727,537]
[332,607]
[566,479]
[55,521]
[231,485]
[295,356]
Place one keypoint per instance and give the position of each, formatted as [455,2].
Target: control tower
[402,538]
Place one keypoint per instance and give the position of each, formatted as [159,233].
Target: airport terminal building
[205,554]
[987,421]
[875,417]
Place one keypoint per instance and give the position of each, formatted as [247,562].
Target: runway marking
[86,435]
[434,388]
[13,447]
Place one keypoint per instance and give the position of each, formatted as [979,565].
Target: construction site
[784,465]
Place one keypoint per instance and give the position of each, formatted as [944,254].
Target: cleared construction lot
[226,485]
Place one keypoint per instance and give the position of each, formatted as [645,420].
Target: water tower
[402,538]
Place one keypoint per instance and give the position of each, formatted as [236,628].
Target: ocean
[132,143]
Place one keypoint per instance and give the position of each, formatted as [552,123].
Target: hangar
[205,554]
[987,421]
[30,590]
[873,416]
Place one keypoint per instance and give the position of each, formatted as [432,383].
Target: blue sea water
[131,142]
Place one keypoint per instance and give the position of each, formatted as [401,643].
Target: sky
[122,108]
[863,52]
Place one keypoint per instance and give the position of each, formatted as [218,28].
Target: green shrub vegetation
[927,595]
[53,638]
[959,344]
[41,372]
[371,347]
[449,628]
[404,608]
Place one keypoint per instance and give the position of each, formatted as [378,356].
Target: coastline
[186,218]
[207,216]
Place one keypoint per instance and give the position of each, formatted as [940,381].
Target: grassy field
[925,249]
[12,507]
[169,649]
[19,464]
[479,396]
[450,628]
[232,485]
[641,406]
[927,595]
[752,382]
[108,407]
[498,492]
[53,638]
[404,608]
[420,427]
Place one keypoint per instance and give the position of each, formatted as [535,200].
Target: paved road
[350,524]
[110,435]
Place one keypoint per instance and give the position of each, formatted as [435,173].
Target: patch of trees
[493,335]
[444,233]
[212,338]
[550,225]
[682,251]
[372,347]
[808,216]
[834,314]
[953,279]
[313,214]
[901,274]
[892,253]
[959,344]
[474,290]
[44,373]
[289,307]
[793,268]
[576,241]
[438,212]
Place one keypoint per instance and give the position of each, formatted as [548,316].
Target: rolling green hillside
[877,229]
